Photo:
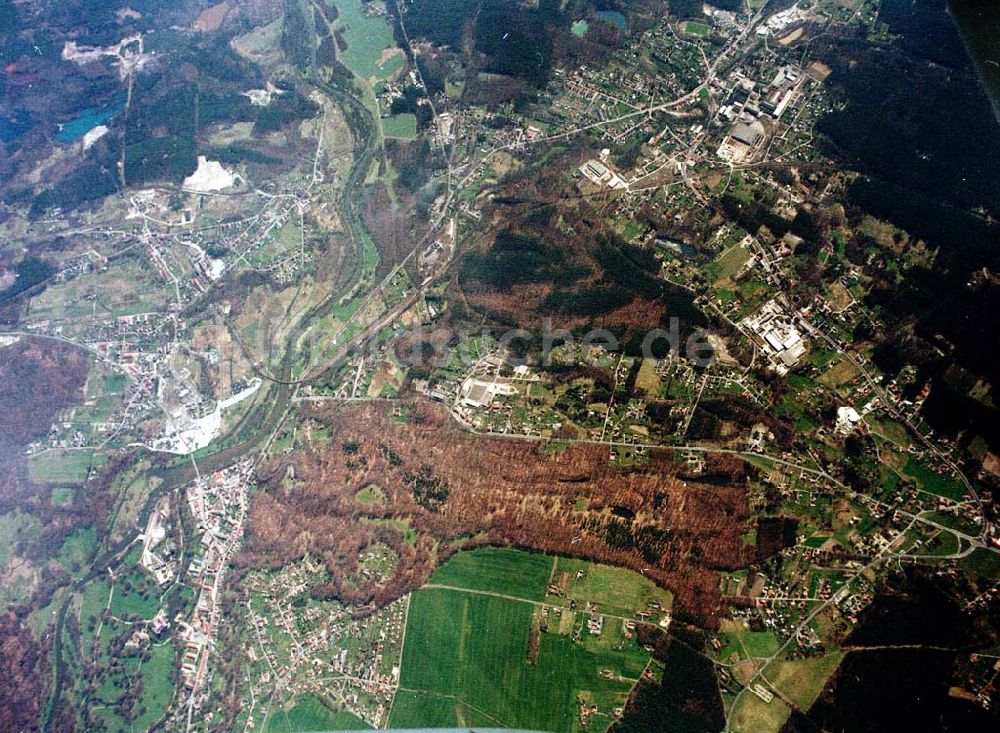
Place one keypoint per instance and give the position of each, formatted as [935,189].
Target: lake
[613,16]
[90,118]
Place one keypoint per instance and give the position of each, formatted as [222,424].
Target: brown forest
[452,490]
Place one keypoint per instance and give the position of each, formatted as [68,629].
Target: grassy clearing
[982,567]
[61,467]
[648,379]
[727,265]
[753,715]
[62,496]
[497,570]
[803,679]
[13,526]
[367,37]
[310,714]
[403,127]
[840,372]
[370,495]
[77,549]
[616,590]
[392,65]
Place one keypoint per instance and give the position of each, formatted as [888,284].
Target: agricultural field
[310,714]
[729,264]
[497,570]
[753,715]
[434,711]
[491,647]
[739,640]
[62,467]
[368,38]
[803,679]
[475,648]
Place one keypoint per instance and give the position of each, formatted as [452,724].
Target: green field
[60,467]
[391,66]
[402,126]
[753,715]
[472,648]
[497,570]
[728,264]
[158,679]
[466,652]
[933,482]
[366,39]
[697,29]
[802,680]
[310,714]
[14,526]
[77,549]
[580,28]
[616,590]
[436,711]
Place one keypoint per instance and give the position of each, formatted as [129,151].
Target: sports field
[402,126]
[697,29]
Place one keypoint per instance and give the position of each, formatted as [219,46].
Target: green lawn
[698,29]
[391,66]
[134,603]
[310,714]
[498,570]
[158,680]
[402,126]
[474,648]
[760,643]
[730,263]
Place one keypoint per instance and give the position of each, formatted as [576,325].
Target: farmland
[497,654]
[309,713]
[473,647]
[59,467]
[367,38]
[497,570]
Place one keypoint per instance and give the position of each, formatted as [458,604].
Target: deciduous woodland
[446,489]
